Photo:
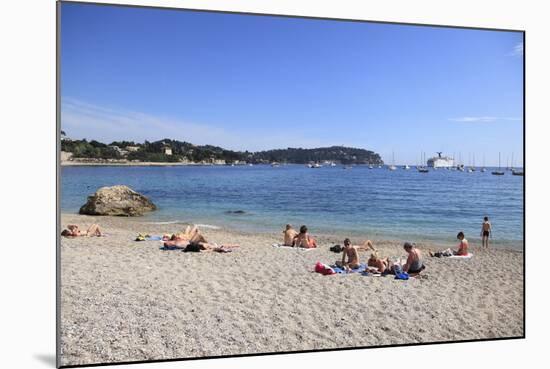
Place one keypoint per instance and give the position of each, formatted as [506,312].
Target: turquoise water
[378,203]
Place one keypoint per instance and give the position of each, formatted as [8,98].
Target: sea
[356,202]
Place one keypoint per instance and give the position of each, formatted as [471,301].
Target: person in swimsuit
[192,236]
[414,262]
[462,248]
[383,265]
[289,235]
[352,255]
[485,232]
[303,239]
[73,231]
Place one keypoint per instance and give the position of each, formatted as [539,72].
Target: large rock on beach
[117,201]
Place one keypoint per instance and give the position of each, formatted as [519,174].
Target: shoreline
[132,164]
[335,237]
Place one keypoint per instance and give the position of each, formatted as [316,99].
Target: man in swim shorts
[414,262]
[485,232]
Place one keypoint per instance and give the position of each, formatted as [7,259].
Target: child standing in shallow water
[485,232]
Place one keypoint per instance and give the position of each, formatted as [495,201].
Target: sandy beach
[123,300]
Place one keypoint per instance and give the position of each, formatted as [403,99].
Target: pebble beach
[123,300]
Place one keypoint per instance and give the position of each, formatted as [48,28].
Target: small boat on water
[392,166]
[332,164]
[498,172]
[423,170]
[406,167]
[347,167]
[370,166]
[517,172]
[314,165]
[483,170]
[275,164]
[379,167]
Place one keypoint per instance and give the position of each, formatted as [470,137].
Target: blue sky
[257,82]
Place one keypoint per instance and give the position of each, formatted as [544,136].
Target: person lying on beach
[350,252]
[289,235]
[303,239]
[383,265]
[73,231]
[367,245]
[462,248]
[485,232]
[190,235]
[193,240]
[414,262]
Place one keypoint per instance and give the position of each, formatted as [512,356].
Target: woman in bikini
[73,231]
[303,239]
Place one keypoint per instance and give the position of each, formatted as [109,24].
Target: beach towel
[165,247]
[146,237]
[362,269]
[403,276]
[464,257]
[299,249]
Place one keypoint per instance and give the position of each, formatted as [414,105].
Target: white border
[28,185]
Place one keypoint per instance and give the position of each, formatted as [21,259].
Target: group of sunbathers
[413,264]
[191,239]
[301,239]
[350,259]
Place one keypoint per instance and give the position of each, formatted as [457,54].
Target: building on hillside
[132,148]
[167,150]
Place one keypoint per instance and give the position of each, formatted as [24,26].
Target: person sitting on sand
[414,262]
[303,239]
[383,265]
[352,255]
[73,231]
[486,230]
[462,248]
[289,235]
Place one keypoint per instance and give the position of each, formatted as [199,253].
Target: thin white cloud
[80,119]
[518,50]
[483,119]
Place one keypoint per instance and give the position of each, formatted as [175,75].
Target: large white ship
[441,161]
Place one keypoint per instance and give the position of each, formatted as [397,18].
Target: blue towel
[153,238]
[338,270]
[403,276]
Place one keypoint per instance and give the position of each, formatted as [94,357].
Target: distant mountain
[168,150]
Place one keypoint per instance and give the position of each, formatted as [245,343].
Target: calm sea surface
[401,204]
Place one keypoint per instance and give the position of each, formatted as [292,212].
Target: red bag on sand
[323,269]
